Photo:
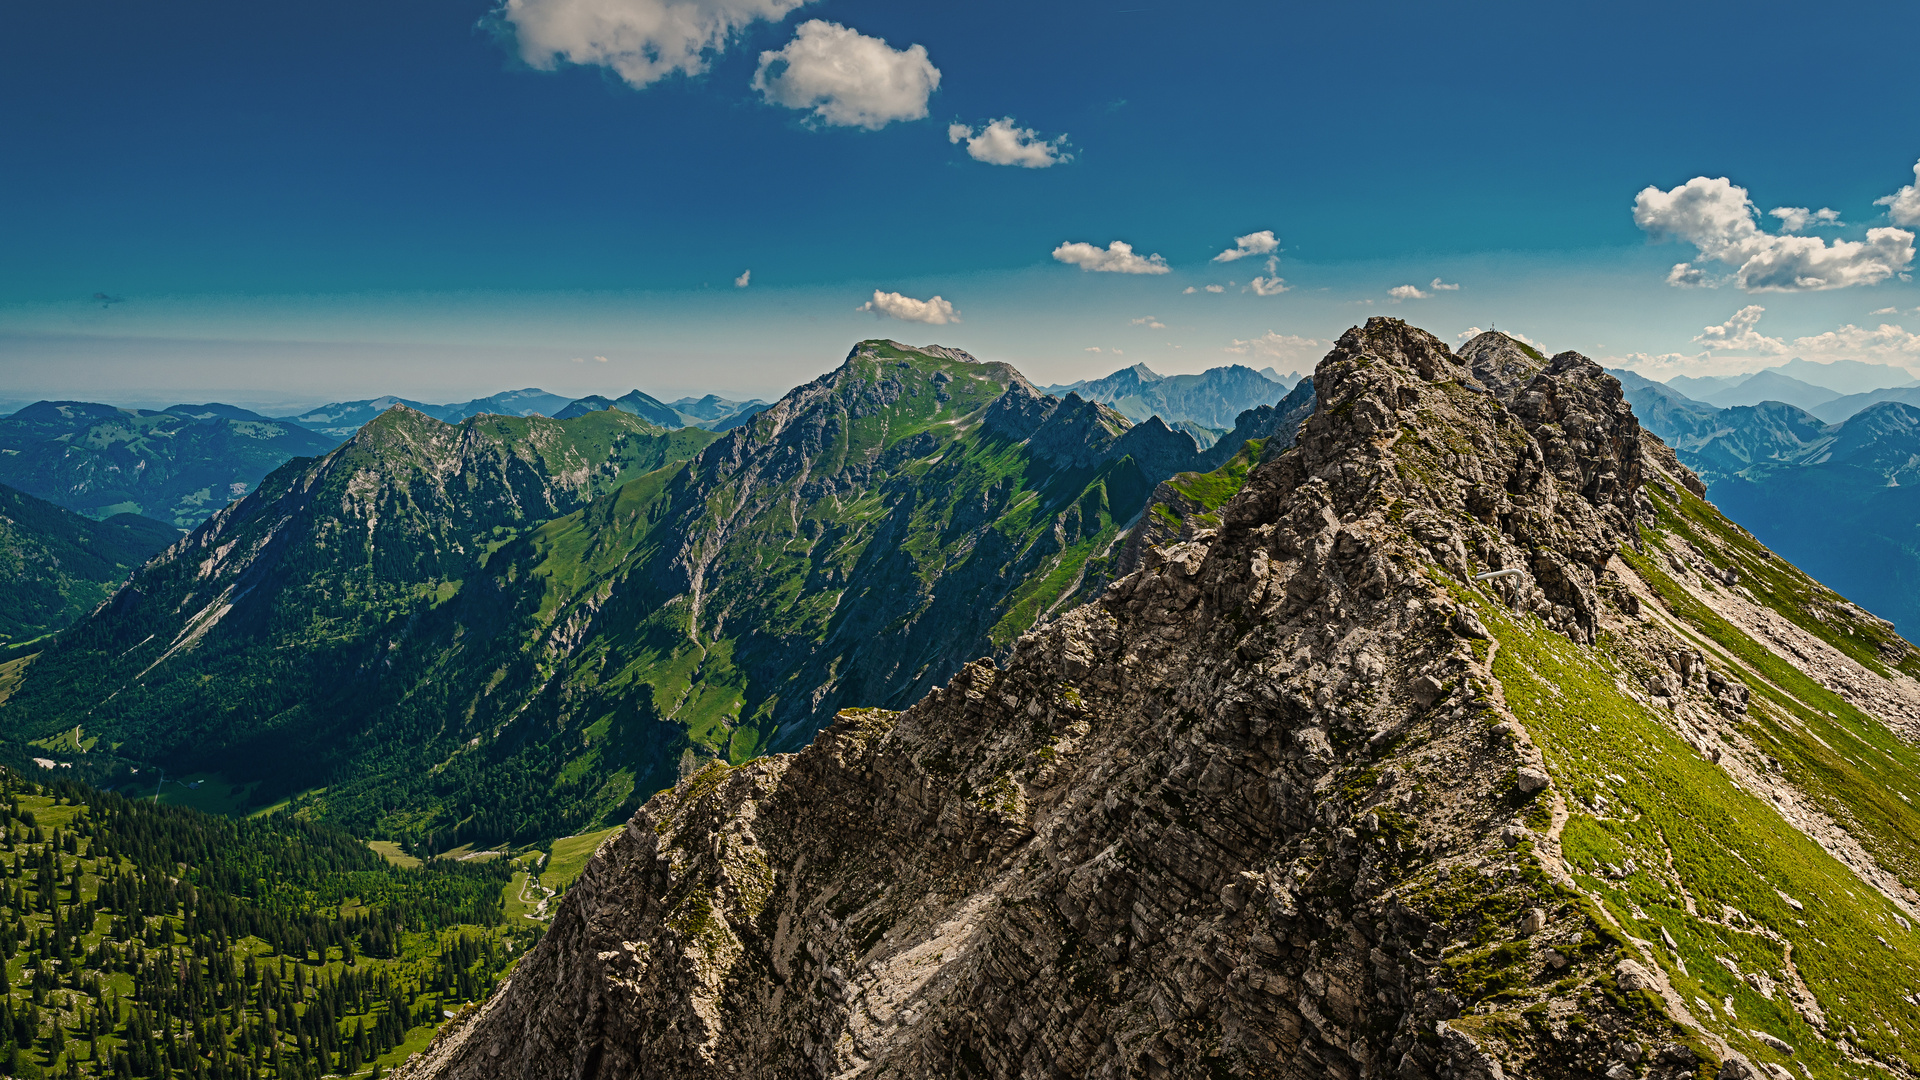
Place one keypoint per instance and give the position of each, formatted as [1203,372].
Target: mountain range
[1204,405]
[342,418]
[1832,496]
[512,628]
[1458,737]
[1833,391]
[177,465]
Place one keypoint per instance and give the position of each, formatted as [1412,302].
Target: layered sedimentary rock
[1265,808]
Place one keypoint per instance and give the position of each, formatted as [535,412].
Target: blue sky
[305,202]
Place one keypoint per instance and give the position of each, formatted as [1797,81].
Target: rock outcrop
[1258,811]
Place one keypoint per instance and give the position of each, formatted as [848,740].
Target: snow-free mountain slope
[55,565]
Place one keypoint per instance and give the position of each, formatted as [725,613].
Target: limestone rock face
[1228,820]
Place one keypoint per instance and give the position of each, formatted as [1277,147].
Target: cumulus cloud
[1406,292]
[933,312]
[1903,206]
[600,360]
[1002,142]
[1737,334]
[1689,276]
[1717,217]
[1265,286]
[1287,347]
[1255,243]
[741,281]
[1216,288]
[1885,311]
[1886,343]
[1795,218]
[847,78]
[1440,286]
[1147,321]
[643,41]
[1115,258]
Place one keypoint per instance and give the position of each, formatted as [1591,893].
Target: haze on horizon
[301,203]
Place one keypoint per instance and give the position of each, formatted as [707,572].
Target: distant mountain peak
[1146,373]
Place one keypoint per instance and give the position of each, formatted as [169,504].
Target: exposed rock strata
[1232,819]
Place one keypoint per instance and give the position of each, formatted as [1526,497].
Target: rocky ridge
[1301,796]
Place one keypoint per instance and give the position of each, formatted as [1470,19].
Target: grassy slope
[1666,840]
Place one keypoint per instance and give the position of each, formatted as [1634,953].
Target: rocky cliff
[1305,796]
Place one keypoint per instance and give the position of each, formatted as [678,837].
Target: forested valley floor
[154,941]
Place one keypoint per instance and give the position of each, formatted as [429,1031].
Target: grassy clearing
[391,852]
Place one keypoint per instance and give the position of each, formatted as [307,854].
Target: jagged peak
[1145,373]
[1501,363]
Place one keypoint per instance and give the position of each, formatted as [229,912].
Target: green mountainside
[178,466]
[55,565]
[501,632]
[261,646]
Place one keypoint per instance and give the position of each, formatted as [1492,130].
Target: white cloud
[741,281]
[1441,286]
[1147,321]
[1689,276]
[1885,311]
[1266,286]
[1002,142]
[1216,288]
[643,41]
[1795,218]
[1717,217]
[600,360]
[1256,243]
[1091,348]
[1117,258]
[1406,292]
[1286,347]
[847,78]
[1903,206]
[1188,291]
[1886,343]
[1737,334]
[933,312]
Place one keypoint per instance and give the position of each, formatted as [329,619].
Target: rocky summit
[1466,741]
